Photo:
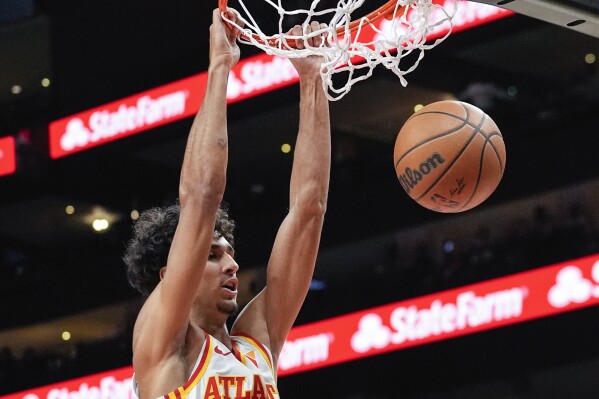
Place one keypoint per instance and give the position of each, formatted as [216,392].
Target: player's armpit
[252,320]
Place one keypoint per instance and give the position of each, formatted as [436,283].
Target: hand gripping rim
[381,12]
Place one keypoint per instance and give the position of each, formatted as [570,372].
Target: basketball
[449,156]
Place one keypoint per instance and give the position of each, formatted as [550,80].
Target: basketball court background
[537,80]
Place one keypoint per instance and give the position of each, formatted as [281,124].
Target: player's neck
[215,327]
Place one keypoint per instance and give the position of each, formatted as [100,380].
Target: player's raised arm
[202,182]
[161,328]
[271,314]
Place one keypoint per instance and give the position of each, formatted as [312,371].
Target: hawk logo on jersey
[251,356]
[220,352]
[242,357]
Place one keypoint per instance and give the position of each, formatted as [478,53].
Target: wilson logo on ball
[473,156]
[411,177]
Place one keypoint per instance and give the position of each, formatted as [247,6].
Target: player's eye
[212,255]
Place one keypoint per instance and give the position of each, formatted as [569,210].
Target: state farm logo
[572,287]
[305,351]
[109,388]
[260,75]
[372,333]
[413,324]
[105,124]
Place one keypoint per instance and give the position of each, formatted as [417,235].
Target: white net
[351,51]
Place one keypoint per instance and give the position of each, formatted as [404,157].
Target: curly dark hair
[153,232]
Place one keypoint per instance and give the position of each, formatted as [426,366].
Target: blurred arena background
[67,311]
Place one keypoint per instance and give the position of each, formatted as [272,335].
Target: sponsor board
[543,292]
[123,118]
[249,78]
[8,158]
[478,307]
[115,384]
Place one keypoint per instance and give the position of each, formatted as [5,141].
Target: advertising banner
[251,77]
[8,158]
[491,304]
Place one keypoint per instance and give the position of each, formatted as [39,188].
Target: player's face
[219,283]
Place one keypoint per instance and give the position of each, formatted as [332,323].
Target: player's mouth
[231,284]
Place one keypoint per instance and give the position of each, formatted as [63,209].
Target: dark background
[56,273]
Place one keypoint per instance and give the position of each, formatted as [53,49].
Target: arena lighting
[99,218]
[8,159]
[181,99]
[534,294]
[100,225]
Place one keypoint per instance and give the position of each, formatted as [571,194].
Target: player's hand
[223,40]
[310,65]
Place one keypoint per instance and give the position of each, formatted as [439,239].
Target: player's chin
[230,307]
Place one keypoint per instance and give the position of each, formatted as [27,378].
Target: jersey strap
[179,393]
[182,392]
[202,365]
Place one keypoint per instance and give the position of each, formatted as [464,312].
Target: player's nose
[229,265]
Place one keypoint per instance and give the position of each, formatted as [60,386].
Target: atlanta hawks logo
[242,357]
[220,352]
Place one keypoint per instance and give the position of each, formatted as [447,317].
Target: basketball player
[182,257]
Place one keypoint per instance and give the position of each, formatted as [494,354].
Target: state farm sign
[115,384]
[483,306]
[250,77]
[543,292]
[303,351]
[413,324]
[126,117]
[104,124]
[8,161]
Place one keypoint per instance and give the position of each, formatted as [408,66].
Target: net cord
[346,57]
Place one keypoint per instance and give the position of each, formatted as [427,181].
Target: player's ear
[162,272]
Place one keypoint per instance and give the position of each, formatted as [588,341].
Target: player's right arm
[162,326]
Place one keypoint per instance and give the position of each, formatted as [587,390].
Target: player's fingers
[216,18]
[315,39]
[297,32]
[238,20]
[324,35]
[231,17]
[216,22]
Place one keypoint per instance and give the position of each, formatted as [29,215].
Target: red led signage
[250,77]
[534,294]
[114,384]
[8,161]
[483,306]
[125,117]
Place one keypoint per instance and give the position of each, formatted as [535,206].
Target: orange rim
[381,12]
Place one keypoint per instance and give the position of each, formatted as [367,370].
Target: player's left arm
[270,315]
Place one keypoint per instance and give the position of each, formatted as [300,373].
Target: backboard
[579,15]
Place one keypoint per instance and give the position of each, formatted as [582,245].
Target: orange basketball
[449,156]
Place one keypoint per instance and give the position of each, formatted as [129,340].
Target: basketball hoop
[353,48]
